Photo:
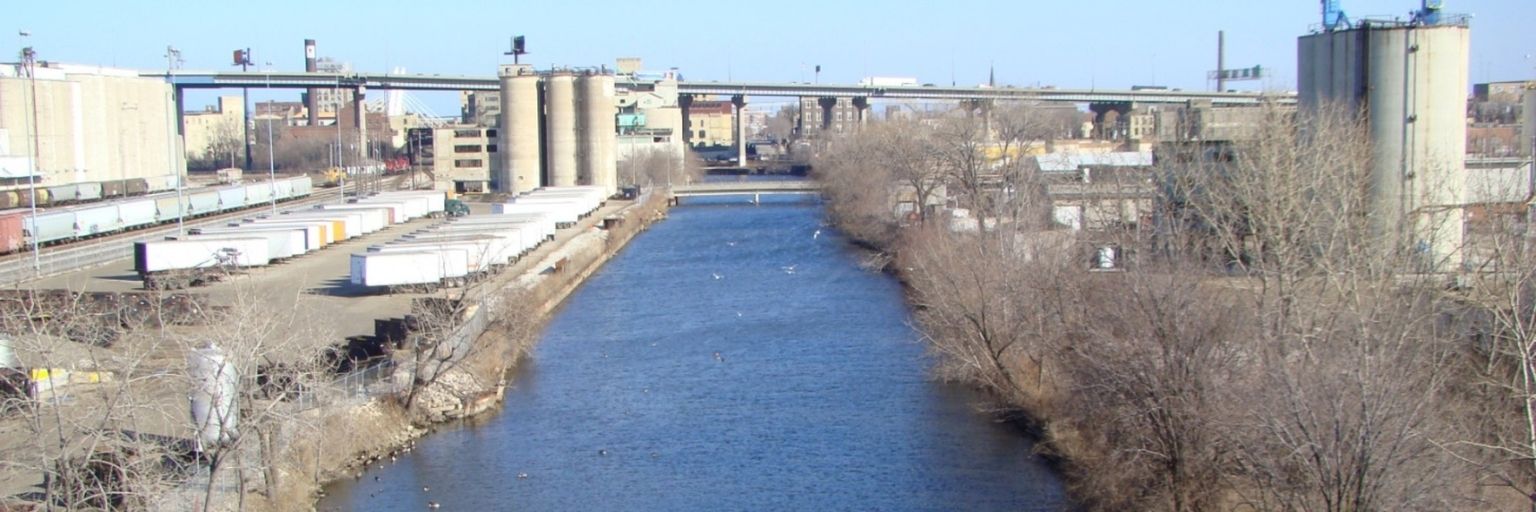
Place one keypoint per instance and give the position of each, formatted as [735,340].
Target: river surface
[734,357]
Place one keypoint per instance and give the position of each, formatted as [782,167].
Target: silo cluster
[557,129]
[1411,81]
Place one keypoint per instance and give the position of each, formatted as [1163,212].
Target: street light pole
[29,59]
[336,116]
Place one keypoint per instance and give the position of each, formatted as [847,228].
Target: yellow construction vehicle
[333,177]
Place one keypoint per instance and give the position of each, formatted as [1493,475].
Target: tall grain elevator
[556,121]
[560,122]
[596,131]
[1409,79]
[521,152]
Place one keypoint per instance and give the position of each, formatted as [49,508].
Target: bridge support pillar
[827,104]
[684,103]
[360,117]
[740,102]
[861,111]
[179,140]
[1108,128]
[981,108]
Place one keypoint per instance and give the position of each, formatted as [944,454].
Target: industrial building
[213,134]
[479,107]
[1410,78]
[1498,123]
[462,157]
[650,121]
[711,123]
[91,124]
[835,115]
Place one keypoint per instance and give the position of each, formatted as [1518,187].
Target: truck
[888,81]
[455,208]
[229,175]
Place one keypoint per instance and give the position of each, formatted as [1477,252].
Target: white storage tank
[215,387]
[8,355]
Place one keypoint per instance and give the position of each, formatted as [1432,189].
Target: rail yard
[322,294]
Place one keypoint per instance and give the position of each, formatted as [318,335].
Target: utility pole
[172,62]
[271,166]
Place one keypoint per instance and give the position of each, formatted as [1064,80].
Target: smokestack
[310,102]
[1221,61]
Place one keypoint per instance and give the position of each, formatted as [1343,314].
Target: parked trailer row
[55,225]
[287,234]
[457,251]
[568,204]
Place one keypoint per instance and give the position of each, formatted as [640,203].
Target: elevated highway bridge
[421,82]
[1101,102]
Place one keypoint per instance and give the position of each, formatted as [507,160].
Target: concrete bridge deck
[756,189]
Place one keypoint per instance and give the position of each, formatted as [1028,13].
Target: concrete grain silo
[521,152]
[1528,130]
[1410,78]
[596,136]
[560,123]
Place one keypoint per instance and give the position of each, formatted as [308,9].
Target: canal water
[734,357]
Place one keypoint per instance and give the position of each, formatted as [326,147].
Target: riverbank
[379,429]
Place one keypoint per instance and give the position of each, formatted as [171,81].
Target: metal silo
[1411,80]
[596,136]
[560,122]
[520,147]
[215,416]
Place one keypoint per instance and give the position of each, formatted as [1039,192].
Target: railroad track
[63,258]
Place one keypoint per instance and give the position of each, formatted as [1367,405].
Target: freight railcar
[57,221]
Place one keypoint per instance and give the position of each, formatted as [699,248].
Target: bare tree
[861,189]
[657,167]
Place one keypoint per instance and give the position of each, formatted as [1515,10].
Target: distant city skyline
[1108,45]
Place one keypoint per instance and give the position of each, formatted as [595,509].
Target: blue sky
[1082,43]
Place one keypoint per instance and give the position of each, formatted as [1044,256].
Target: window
[466,133]
[473,162]
[466,148]
[701,134]
[490,148]
[490,134]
